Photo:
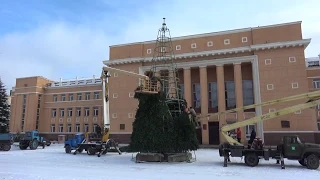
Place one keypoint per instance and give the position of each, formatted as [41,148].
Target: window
[178,47]
[69,112]
[209,43]
[61,112]
[316,83]
[69,128]
[70,97]
[78,112]
[318,125]
[130,115]
[249,130]
[163,49]
[94,127]
[292,59]
[213,97]
[114,115]
[86,111]
[63,97]
[24,99]
[86,128]
[226,41]
[244,39]
[54,112]
[60,127]
[88,96]
[294,85]
[196,96]
[181,92]
[53,128]
[193,45]
[247,92]
[115,95]
[96,95]
[270,86]
[79,96]
[122,126]
[272,110]
[77,127]
[298,112]
[95,111]
[267,61]
[285,124]
[55,98]
[149,51]
[131,94]
[230,94]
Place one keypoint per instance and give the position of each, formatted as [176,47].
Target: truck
[31,139]
[290,147]
[81,142]
[6,140]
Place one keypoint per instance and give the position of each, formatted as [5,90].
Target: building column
[187,86]
[221,97]
[204,102]
[239,95]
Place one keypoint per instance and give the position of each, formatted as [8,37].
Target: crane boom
[110,69]
[310,95]
[314,100]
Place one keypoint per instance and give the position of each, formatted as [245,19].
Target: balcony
[313,62]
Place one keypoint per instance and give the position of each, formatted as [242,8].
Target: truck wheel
[251,159]
[91,151]
[302,162]
[6,147]
[68,149]
[80,150]
[23,147]
[33,144]
[312,162]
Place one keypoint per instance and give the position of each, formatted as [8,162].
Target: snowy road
[52,163]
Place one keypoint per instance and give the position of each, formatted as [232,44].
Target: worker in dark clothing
[239,135]
[252,137]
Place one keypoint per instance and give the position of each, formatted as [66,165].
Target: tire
[251,159]
[312,161]
[91,151]
[67,149]
[80,150]
[302,162]
[6,147]
[33,144]
[23,147]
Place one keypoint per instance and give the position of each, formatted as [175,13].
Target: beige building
[218,71]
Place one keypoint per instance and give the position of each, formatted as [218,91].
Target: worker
[252,137]
[239,135]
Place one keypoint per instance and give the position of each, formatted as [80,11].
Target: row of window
[294,85]
[291,59]
[69,112]
[194,45]
[63,97]
[77,128]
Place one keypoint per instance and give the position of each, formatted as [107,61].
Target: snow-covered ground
[52,163]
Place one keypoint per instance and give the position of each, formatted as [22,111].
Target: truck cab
[307,154]
[74,142]
[31,139]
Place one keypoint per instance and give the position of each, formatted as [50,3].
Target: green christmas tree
[154,129]
[4,109]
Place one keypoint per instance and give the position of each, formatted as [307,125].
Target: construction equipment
[291,147]
[6,140]
[32,140]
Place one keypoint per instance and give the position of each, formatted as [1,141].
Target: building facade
[218,71]
[56,108]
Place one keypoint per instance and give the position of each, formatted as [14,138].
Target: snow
[53,163]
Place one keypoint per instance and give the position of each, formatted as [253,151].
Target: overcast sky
[69,38]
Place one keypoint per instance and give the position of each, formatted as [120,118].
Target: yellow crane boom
[314,100]
[110,69]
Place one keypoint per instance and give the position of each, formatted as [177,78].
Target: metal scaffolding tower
[165,70]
